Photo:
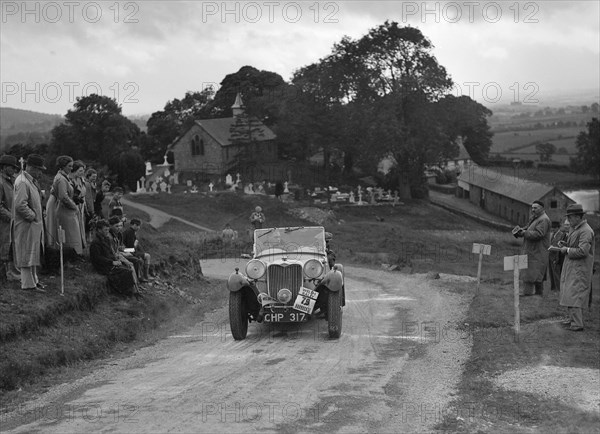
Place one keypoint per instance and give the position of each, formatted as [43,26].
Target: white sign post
[61,240]
[516,263]
[482,249]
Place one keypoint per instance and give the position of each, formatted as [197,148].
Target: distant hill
[25,126]
[14,121]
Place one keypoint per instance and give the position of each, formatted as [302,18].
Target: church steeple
[238,106]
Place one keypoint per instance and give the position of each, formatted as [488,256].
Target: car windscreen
[290,240]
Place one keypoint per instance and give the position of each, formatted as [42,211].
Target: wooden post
[482,249]
[516,294]
[61,240]
[515,263]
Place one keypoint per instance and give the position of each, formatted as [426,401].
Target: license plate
[305,302]
[289,316]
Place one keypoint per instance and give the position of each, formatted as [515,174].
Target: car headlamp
[313,268]
[284,295]
[255,269]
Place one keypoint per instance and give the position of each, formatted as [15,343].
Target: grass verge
[49,338]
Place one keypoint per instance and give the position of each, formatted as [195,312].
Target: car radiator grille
[289,277]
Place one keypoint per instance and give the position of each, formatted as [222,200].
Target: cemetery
[163,179]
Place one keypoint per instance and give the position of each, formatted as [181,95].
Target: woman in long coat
[77,180]
[61,210]
[576,276]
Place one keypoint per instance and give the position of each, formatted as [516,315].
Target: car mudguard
[237,281]
[334,280]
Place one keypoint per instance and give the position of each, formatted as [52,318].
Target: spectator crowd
[33,228]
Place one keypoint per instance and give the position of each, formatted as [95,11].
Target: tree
[546,150]
[588,149]
[95,131]
[467,119]
[392,68]
[260,90]
[177,116]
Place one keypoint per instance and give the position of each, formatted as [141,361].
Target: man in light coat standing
[536,242]
[576,276]
[28,226]
[8,168]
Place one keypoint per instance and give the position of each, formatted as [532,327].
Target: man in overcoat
[28,223]
[8,168]
[536,238]
[556,259]
[576,276]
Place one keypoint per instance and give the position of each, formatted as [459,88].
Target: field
[510,141]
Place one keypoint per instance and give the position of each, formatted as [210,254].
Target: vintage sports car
[288,278]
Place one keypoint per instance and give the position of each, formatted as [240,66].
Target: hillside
[13,121]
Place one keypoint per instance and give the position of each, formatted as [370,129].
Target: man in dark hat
[536,240]
[28,223]
[576,276]
[8,168]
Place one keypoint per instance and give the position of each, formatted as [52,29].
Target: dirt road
[393,370]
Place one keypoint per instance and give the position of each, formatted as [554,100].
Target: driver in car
[330,253]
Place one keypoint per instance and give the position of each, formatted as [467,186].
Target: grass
[496,350]
[46,337]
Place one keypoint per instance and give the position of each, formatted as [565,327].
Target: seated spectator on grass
[118,212]
[105,260]
[130,241]
[116,232]
[104,188]
[115,202]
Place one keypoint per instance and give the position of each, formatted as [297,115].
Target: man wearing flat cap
[28,229]
[576,276]
[8,168]
[536,240]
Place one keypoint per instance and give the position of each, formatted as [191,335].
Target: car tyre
[334,314]
[238,319]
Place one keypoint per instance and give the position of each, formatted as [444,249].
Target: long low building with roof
[508,196]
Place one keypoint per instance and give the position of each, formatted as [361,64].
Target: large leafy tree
[588,149]
[96,132]
[392,69]
[260,90]
[166,125]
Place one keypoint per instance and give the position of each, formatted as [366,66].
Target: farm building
[215,146]
[510,197]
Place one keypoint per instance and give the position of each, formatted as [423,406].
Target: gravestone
[210,186]
[228,179]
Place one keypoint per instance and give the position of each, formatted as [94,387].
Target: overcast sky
[146,53]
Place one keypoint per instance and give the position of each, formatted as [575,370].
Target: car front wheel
[334,314]
[238,319]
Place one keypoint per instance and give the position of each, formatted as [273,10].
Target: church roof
[220,130]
